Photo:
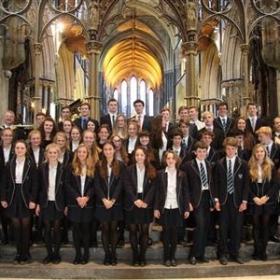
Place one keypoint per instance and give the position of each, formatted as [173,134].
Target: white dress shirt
[7,152]
[36,153]
[171,194]
[52,180]
[19,171]
[140,179]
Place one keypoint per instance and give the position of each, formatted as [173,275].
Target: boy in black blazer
[231,195]
[200,182]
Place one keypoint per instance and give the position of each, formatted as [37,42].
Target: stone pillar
[4,84]
[189,51]
[93,50]
[246,94]
[37,98]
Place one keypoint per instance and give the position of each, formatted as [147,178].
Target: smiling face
[48,126]
[67,126]
[35,140]
[75,134]
[140,157]
[88,138]
[170,160]
[260,154]
[108,151]
[20,149]
[241,124]
[82,154]
[52,154]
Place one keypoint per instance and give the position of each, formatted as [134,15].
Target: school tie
[184,144]
[253,124]
[203,175]
[113,120]
[84,124]
[267,150]
[224,125]
[229,178]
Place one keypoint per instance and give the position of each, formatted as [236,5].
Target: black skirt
[266,209]
[17,208]
[139,216]
[113,214]
[50,213]
[76,214]
[171,218]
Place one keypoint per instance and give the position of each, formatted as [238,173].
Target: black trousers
[231,221]
[202,223]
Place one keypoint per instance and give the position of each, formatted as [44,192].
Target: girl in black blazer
[18,196]
[171,204]
[139,186]
[75,138]
[109,203]
[80,190]
[51,201]
[35,151]
[262,198]
[62,141]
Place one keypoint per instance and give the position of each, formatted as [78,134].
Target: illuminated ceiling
[133,55]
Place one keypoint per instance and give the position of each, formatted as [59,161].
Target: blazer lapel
[25,169]
[58,176]
[195,167]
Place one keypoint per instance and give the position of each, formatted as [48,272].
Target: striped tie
[229,178]
[203,175]
[224,124]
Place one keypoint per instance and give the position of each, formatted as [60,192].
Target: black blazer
[106,119]
[147,123]
[73,188]
[30,182]
[275,155]
[259,123]
[67,158]
[240,178]
[194,182]
[130,188]
[12,153]
[218,124]
[60,195]
[182,191]
[269,188]
[109,190]
[41,155]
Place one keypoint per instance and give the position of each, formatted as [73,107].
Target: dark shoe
[143,263]
[167,263]
[85,259]
[173,262]
[121,243]
[182,242]
[114,261]
[256,256]
[16,259]
[192,260]
[23,260]
[56,259]
[263,257]
[237,260]
[135,262]
[107,260]
[223,260]
[77,260]
[203,259]
[150,241]
[48,259]
[5,241]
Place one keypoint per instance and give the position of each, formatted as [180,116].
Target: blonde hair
[265,130]
[63,135]
[266,166]
[51,146]
[77,166]
[32,132]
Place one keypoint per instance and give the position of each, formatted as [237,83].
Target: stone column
[246,94]
[37,98]
[93,50]
[189,51]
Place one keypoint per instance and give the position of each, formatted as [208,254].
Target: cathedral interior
[166,52]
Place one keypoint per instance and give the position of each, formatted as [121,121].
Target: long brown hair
[267,165]
[116,168]
[77,166]
[150,170]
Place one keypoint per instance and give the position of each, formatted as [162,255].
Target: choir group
[120,173]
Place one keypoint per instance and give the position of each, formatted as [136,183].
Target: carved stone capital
[244,48]
[93,47]
[189,48]
[38,48]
